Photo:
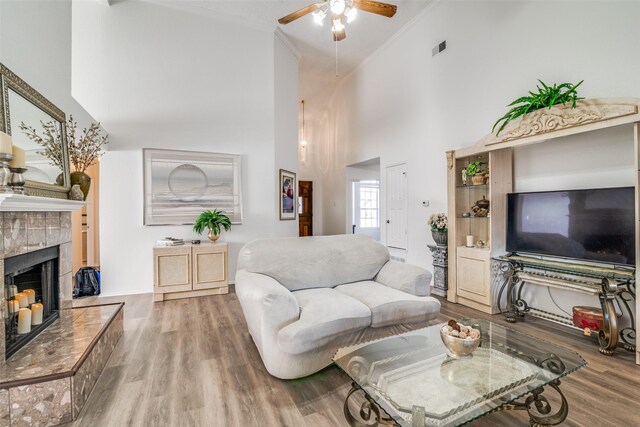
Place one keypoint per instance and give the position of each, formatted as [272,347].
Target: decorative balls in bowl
[460,340]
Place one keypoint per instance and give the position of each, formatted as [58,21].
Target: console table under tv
[614,286]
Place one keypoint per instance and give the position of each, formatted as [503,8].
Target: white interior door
[366,208]
[396,196]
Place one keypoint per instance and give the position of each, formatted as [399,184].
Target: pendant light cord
[303,135]
[336,42]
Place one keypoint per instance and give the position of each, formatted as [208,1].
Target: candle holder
[16,182]
[5,172]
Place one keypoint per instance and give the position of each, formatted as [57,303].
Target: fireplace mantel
[20,203]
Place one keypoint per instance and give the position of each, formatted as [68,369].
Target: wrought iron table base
[369,414]
[536,404]
[608,337]
[539,408]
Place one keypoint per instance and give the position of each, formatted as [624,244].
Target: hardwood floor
[192,363]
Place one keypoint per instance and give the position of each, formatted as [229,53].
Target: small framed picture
[288,195]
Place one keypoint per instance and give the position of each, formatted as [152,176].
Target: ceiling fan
[340,10]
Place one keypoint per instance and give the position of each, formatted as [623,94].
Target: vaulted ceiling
[315,43]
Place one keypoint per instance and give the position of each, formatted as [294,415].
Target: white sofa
[303,298]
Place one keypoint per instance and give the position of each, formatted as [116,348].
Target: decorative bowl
[459,348]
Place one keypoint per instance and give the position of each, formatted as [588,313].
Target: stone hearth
[48,380]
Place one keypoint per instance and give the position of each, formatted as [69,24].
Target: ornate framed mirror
[22,106]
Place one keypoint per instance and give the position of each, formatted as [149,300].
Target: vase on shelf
[213,236]
[440,237]
[78,178]
[83,180]
[477,179]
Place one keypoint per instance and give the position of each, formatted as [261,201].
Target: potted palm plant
[215,221]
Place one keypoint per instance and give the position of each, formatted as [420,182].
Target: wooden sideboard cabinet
[189,271]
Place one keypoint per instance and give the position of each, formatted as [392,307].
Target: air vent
[439,48]
[395,258]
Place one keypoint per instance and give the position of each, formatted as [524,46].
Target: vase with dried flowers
[84,148]
[438,223]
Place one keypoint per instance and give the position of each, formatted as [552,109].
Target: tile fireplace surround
[48,380]
[24,232]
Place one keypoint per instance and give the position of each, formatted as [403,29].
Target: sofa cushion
[407,278]
[390,306]
[324,315]
[314,262]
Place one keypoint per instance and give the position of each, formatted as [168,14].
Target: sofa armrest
[267,305]
[405,277]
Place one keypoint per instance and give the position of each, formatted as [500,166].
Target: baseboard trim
[159,297]
[124,294]
[477,306]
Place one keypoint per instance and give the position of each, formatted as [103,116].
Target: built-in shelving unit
[471,268]
[472,281]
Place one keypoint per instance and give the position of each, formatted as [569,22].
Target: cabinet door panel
[209,268]
[473,273]
[173,269]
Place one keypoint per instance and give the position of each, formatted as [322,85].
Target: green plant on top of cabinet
[215,221]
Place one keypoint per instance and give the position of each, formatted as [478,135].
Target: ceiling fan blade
[384,9]
[298,14]
[339,35]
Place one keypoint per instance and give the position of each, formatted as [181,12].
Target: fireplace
[31,288]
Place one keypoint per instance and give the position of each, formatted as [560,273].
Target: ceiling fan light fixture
[337,6]
[337,25]
[351,13]
[318,17]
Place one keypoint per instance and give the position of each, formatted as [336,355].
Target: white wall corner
[430,7]
[285,40]
[105,2]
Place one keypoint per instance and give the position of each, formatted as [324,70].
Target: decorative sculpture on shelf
[76,193]
[481,208]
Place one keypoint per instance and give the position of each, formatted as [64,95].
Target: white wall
[402,104]
[160,77]
[597,159]
[1,19]
[286,116]
[35,43]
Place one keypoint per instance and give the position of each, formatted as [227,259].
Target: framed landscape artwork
[179,185]
[288,195]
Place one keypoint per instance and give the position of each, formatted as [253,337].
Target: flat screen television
[595,225]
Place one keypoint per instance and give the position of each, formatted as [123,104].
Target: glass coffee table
[411,380]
